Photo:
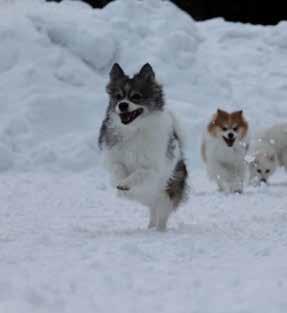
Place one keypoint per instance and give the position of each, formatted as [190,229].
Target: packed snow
[67,243]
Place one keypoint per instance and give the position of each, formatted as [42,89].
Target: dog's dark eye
[136,97]
[267,171]
[235,128]
[118,96]
[224,128]
[259,171]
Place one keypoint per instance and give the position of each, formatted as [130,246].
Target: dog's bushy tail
[177,185]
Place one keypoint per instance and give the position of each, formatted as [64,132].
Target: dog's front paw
[123,187]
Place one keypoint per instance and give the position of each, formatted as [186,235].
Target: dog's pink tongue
[125,117]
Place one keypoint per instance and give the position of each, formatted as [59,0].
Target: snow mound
[55,59]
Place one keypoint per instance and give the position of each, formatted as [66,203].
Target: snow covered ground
[67,244]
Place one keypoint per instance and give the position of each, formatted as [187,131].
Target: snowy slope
[67,244]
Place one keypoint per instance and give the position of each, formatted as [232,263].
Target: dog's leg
[152,217]
[227,182]
[118,173]
[238,175]
[283,159]
[237,186]
[221,185]
[164,208]
[221,177]
[215,172]
[229,178]
[137,178]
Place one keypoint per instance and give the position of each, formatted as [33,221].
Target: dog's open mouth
[128,117]
[229,141]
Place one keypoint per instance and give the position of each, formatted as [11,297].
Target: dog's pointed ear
[240,112]
[221,112]
[147,72]
[116,72]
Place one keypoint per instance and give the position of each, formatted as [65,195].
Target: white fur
[139,163]
[224,164]
[132,106]
[268,151]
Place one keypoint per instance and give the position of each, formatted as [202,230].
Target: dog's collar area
[229,141]
[128,117]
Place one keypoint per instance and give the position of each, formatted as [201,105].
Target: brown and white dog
[223,149]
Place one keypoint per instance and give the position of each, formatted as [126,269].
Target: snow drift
[55,59]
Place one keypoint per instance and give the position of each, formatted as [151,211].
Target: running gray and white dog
[142,145]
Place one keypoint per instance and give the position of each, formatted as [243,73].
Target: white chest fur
[144,146]
[218,151]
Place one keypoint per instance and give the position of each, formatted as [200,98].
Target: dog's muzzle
[128,117]
[229,141]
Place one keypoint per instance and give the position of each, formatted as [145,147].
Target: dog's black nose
[263,180]
[123,106]
[230,136]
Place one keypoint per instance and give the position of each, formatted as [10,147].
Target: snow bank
[55,58]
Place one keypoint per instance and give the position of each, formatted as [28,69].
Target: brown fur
[224,119]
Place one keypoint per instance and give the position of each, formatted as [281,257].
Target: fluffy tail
[177,184]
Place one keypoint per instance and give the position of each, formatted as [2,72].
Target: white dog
[224,148]
[268,151]
[142,144]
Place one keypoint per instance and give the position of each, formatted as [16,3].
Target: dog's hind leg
[119,173]
[163,211]
[283,159]
[152,217]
